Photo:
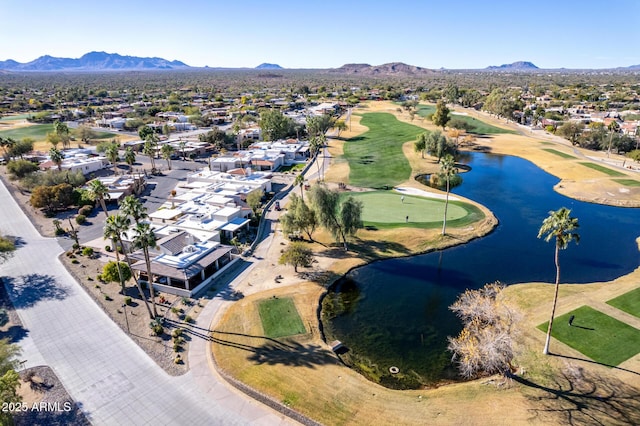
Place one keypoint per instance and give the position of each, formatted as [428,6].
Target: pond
[395,312]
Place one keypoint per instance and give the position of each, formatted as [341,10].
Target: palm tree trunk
[118,266]
[555,301]
[150,282]
[142,295]
[446,206]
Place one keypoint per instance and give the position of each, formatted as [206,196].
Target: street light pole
[124,306]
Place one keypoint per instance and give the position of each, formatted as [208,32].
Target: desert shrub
[21,168]
[81,219]
[85,210]
[127,300]
[156,326]
[188,319]
[177,332]
[87,251]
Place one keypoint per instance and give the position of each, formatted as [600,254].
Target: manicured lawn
[280,317]
[600,337]
[385,209]
[558,153]
[602,169]
[36,132]
[477,127]
[480,127]
[628,182]
[628,302]
[17,117]
[375,158]
[292,167]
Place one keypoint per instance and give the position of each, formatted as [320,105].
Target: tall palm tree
[99,192]
[56,156]
[129,157]
[167,152]
[149,148]
[448,170]
[613,127]
[299,181]
[315,146]
[115,226]
[112,155]
[143,238]
[558,224]
[131,206]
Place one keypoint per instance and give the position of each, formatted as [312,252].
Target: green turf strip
[628,302]
[602,169]
[598,336]
[628,182]
[280,317]
[558,153]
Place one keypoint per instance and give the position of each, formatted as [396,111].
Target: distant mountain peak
[515,66]
[93,61]
[268,66]
[392,68]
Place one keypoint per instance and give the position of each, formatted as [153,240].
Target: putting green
[385,209]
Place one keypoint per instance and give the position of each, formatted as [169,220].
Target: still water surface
[394,312]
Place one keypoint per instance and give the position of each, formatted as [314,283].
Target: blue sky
[327,34]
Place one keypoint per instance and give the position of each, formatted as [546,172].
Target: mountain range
[102,61]
[93,61]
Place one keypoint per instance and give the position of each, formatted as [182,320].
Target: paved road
[112,379]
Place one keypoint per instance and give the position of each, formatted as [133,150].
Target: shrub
[177,332]
[177,347]
[156,327]
[59,231]
[87,251]
[99,277]
[21,168]
[174,310]
[188,319]
[107,297]
[127,300]
[75,261]
[85,210]
[110,272]
[178,359]
[76,246]
[97,286]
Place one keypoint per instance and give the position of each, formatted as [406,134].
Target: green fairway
[476,126]
[600,337]
[602,169]
[17,117]
[558,153]
[480,127]
[280,317]
[375,158]
[628,182]
[628,302]
[385,209]
[37,132]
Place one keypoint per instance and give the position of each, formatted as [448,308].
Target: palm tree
[115,226]
[315,146]
[149,148]
[56,156]
[112,155]
[113,232]
[299,181]
[129,157]
[559,225]
[183,145]
[99,192]
[448,170]
[613,127]
[167,152]
[131,206]
[143,238]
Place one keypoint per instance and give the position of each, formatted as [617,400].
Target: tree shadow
[27,290]
[579,397]
[277,352]
[15,333]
